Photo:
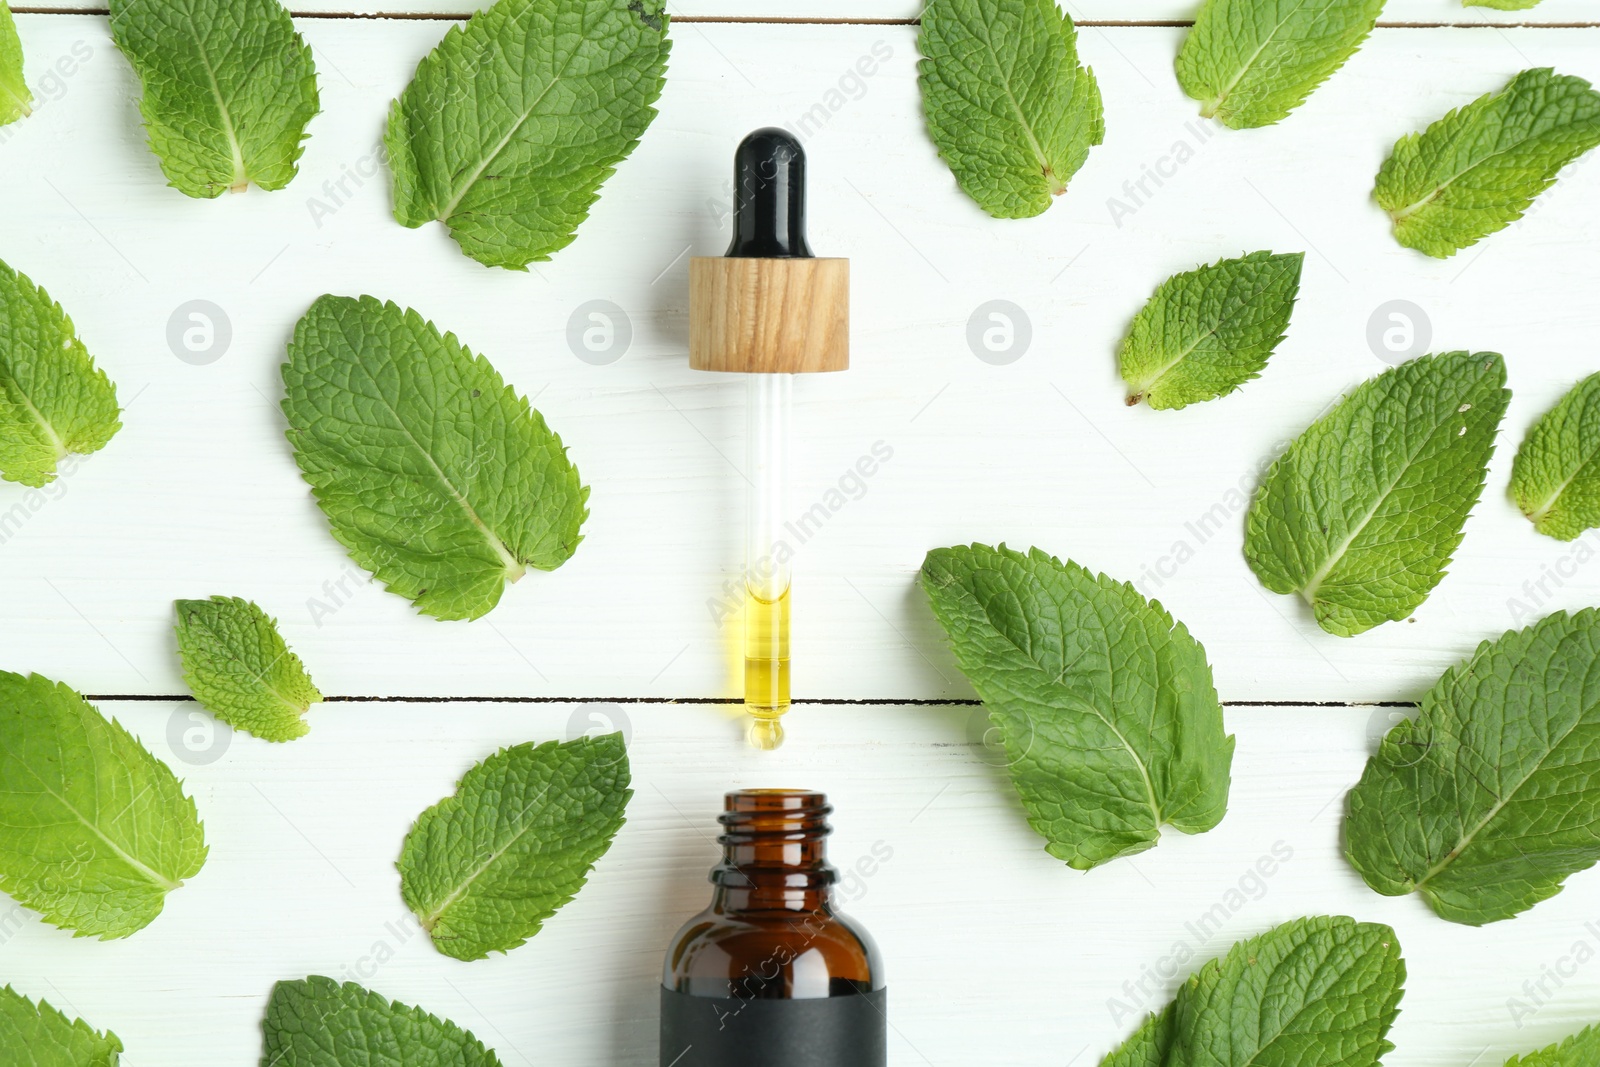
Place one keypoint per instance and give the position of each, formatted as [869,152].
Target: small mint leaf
[1251,62]
[1206,332]
[228,88]
[240,670]
[40,1036]
[97,830]
[317,1022]
[1361,515]
[1314,992]
[1010,107]
[1555,479]
[514,121]
[53,400]
[1478,169]
[1490,798]
[15,100]
[483,869]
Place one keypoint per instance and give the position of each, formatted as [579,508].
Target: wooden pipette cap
[769,306]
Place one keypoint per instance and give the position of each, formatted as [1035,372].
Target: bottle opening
[749,813]
[774,839]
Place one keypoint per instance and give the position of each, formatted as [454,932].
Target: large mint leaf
[1490,798]
[1580,1050]
[1104,703]
[1314,992]
[239,669]
[228,89]
[1361,515]
[1477,169]
[515,120]
[1556,477]
[15,100]
[40,1036]
[53,400]
[433,472]
[316,1022]
[1008,104]
[1251,62]
[483,869]
[97,830]
[1207,331]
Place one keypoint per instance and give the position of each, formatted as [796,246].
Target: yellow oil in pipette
[766,666]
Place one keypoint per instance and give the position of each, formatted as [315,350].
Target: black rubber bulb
[769,197]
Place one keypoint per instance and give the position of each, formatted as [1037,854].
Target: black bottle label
[847,1031]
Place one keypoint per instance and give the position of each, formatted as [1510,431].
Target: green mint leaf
[515,120]
[1477,169]
[1555,479]
[316,1022]
[1580,1050]
[1104,703]
[239,669]
[228,89]
[1251,62]
[40,1036]
[53,400]
[1315,992]
[1009,106]
[433,472]
[97,830]
[1361,515]
[1502,5]
[1490,798]
[15,100]
[1206,332]
[483,869]
[1149,1045]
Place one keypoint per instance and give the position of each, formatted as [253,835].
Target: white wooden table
[997,953]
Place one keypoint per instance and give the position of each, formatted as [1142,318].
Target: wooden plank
[1434,12]
[996,953]
[199,495]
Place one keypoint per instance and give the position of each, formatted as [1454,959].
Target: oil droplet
[766,734]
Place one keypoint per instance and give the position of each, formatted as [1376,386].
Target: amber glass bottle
[770,975]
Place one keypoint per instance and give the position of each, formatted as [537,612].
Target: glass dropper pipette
[768,309]
[767,571]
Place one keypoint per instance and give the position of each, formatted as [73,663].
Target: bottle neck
[774,854]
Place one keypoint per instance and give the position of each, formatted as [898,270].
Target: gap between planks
[882,702]
[774,20]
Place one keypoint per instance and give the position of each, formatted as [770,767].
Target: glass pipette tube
[767,572]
